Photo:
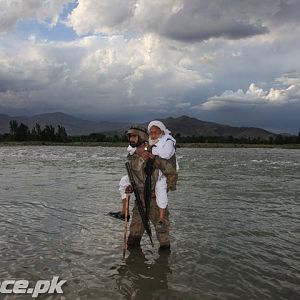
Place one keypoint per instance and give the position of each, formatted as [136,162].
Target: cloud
[202,30]
[276,108]
[288,12]
[100,16]
[192,20]
[198,20]
[256,96]
[153,58]
[13,11]
[96,74]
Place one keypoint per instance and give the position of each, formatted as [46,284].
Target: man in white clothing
[162,145]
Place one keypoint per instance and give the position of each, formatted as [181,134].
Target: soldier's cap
[139,130]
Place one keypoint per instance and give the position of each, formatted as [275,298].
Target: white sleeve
[124,182]
[131,150]
[166,152]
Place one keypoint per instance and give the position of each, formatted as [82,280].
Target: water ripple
[235,221]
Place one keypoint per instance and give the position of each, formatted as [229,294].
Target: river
[235,225]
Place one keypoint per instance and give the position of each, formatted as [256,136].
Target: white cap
[160,125]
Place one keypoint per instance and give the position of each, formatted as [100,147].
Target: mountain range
[184,125]
[74,126]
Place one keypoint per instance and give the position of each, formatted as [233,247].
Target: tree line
[21,132]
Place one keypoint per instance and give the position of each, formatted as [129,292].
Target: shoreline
[179,145]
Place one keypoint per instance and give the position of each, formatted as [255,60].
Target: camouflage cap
[139,130]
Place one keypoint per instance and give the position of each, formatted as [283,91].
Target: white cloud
[142,56]
[256,96]
[290,78]
[181,20]
[99,74]
[13,11]
[193,20]
[100,16]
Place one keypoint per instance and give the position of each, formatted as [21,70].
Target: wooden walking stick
[125,226]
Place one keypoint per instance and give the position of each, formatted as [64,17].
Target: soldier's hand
[129,189]
[144,153]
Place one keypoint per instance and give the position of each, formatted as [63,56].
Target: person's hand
[129,189]
[144,153]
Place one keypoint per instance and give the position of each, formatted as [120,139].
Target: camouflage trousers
[137,229]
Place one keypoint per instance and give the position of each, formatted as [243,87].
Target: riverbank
[179,145]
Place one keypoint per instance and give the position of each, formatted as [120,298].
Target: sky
[234,62]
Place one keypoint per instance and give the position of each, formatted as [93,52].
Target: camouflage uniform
[138,164]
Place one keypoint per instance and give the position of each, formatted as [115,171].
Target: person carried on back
[145,170]
[163,145]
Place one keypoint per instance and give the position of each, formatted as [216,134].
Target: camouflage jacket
[138,165]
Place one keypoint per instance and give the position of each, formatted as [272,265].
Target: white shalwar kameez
[164,148]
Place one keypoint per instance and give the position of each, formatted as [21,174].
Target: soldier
[139,162]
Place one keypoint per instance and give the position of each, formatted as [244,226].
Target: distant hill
[187,126]
[73,125]
[184,125]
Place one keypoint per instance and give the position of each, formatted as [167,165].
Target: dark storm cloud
[195,31]
[200,20]
[287,13]
[19,85]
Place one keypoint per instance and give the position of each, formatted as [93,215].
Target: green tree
[23,133]
[48,133]
[279,139]
[13,127]
[61,135]
[33,134]
[38,130]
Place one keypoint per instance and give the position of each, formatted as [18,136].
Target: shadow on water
[140,278]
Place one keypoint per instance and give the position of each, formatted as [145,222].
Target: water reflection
[235,225]
[138,278]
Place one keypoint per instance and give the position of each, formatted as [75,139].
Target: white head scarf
[160,125]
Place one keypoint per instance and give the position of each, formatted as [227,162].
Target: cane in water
[125,226]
